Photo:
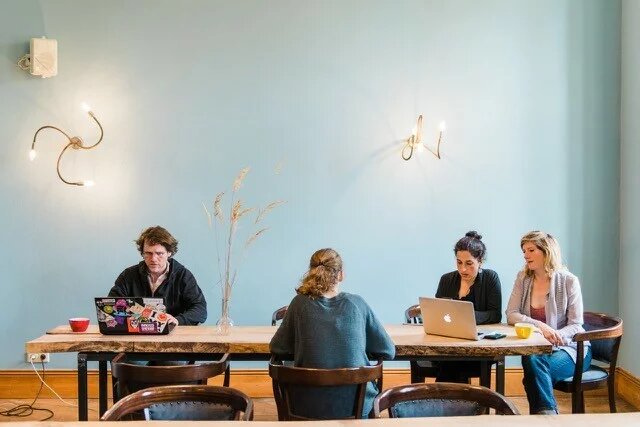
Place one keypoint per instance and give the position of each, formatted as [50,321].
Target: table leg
[83,404]
[102,385]
[485,374]
[500,376]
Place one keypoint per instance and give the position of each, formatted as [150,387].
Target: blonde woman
[327,328]
[548,296]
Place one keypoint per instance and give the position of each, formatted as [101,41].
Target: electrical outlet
[37,357]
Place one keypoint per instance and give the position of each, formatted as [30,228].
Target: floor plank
[265,409]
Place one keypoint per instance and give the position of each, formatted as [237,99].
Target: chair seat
[594,373]
[436,408]
[189,411]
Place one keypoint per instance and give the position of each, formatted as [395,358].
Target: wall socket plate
[37,357]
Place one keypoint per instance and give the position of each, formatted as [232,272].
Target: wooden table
[631,419]
[252,343]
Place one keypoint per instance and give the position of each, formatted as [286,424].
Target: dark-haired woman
[470,282]
[326,328]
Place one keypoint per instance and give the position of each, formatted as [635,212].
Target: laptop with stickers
[132,316]
[449,318]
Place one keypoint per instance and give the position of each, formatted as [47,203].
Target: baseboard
[24,384]
[628,387]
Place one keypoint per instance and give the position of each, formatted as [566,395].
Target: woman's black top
[485,294]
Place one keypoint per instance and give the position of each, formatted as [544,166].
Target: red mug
[79,324]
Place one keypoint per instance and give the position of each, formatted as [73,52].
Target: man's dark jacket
[182,295]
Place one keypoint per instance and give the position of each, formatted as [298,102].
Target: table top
[410,340]
[582,420]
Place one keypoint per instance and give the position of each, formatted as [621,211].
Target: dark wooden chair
[184,402]
[605,334]
[286,379]
[441,400]
[129,378]
[278,315]
[422,369]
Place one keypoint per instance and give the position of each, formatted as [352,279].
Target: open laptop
[449,318]
[132,315]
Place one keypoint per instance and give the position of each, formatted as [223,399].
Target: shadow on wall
[593,158]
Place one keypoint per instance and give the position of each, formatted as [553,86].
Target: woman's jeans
[542,371]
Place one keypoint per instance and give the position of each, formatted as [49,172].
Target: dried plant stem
[217,210]
[208,214]
[271,206]
[254,237]
[215,232]
[212,225]
[228,262]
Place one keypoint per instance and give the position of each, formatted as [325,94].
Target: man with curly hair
[159,275]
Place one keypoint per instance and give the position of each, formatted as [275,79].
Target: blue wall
[189,92]
[629,184]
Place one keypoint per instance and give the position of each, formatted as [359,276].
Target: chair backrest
[440,400]
[184,402]
[286,378]
[413,315]
[130,377]
[604,333]
[278,315]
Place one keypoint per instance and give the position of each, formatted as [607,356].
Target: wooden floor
[265,409]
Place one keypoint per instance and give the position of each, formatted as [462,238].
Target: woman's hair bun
[474,235]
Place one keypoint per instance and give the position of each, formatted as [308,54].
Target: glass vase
[224,323]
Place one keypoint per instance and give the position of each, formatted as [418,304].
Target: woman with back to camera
[470,282]
[327,328]
[548,296]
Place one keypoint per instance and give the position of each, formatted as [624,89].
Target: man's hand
[172,319]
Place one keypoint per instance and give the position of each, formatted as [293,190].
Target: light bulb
[88,183]
[32,154]
[86,107]
[443,126]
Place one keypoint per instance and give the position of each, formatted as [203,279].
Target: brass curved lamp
[414,142]
[75,142]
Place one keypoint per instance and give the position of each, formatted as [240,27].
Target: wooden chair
[286,378]
[605,334]
[441,400]
[184,402]
[278,315]
[422,369]
[129,378]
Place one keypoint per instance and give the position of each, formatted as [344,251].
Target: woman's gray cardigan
[563,309]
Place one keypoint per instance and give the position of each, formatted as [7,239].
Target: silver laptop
[449,318]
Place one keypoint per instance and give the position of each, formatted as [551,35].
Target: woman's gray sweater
[338,332]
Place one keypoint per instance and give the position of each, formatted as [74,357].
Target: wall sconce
[75,142]
[414,142]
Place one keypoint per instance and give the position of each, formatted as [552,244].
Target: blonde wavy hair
[325,267]
[549,246]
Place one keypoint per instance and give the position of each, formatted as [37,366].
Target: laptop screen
[131,315]
[449,318]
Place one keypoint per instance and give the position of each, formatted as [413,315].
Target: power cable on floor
[25,410]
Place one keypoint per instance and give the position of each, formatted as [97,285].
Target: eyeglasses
[158,254]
